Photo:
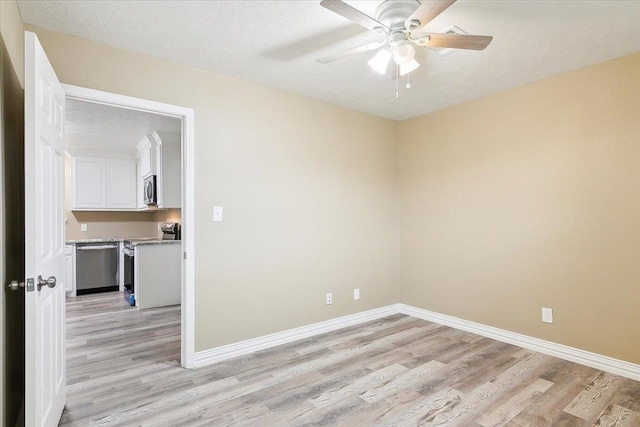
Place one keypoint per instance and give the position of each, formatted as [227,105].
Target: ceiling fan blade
[360,49]
[457,41]
[353,14]
[426,13]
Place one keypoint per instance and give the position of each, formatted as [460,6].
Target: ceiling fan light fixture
[380,62]
[407,68]
[404,54]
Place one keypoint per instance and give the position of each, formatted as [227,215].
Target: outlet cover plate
[329,298]
[356,294]
[547,315]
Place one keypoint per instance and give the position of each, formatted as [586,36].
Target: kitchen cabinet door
[69,269]
[89,177]
[146,156]
[140,187]
[102,183]
[168,169]
[121,184]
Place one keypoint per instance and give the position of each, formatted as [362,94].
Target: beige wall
[168,215]
[110,224]
[13,34]
[309,192]
[526,199]
[118,224]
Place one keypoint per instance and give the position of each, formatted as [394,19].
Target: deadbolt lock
[14,285]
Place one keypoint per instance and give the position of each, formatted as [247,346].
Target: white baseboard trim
[583,357]
[593,360]
[218,354]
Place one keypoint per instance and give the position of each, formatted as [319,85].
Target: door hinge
[185,255]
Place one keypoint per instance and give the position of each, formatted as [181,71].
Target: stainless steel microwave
[150,191]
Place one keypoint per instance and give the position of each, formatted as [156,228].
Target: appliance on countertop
[150,189]
[170,231]
[96,267]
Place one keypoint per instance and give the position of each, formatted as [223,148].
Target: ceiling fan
[401,22]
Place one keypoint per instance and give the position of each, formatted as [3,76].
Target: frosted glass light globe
[404,54]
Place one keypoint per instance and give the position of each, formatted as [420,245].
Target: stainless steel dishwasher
[96,267]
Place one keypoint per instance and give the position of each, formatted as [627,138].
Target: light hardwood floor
[123,369]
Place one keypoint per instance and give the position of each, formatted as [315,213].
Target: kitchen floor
[123,369]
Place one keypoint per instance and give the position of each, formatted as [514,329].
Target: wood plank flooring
[123,369]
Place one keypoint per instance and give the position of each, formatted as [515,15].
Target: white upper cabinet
[121,184]
[140,186]
[146,156]
[102,182]
[168,169]
[89,179]
[160,155]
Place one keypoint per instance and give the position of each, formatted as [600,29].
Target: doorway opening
[167,115]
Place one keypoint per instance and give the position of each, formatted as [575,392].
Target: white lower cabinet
[70,271]
[158,275]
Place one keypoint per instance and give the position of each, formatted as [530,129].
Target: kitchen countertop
[135,241]
[106,240]
[154,242]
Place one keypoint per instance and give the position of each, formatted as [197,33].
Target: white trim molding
[218,354]
[583,357]
[188,203]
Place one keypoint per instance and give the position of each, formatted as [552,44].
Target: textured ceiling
[92,126]
[275,43]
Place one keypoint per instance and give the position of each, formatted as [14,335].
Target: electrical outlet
[329,298]
[83,227]
[547,315]
[356,294]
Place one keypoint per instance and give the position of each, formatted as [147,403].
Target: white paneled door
[44,239]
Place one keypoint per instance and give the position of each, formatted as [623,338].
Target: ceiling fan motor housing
[393,13]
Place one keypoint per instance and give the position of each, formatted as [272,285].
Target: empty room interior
[400,212]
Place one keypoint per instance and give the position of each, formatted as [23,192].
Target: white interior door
[44,246]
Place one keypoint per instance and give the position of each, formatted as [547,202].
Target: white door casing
[187,115]
[45,376]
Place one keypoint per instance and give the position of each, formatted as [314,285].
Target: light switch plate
[217,213]
[83,227]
